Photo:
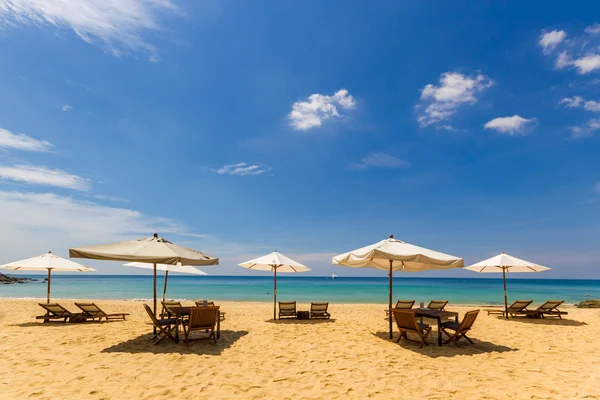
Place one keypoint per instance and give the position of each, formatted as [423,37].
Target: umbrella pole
[154,297]
[390,301]
[275,293]
[165,287]
[505,298]
[48,294]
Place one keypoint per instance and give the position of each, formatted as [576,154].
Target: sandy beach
[347,357]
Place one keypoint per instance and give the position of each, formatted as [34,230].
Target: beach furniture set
[519,308]
[89,311]
[318,310]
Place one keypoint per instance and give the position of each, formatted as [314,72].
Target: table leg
[456,318]
[439,320]
[176,329]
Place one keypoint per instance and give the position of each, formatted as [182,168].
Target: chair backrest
[89,308]
[167,304]
[406,320]
[152,316]
[318,307]
[519,305]
[287,306]
[550,305]
[202,317]
[437,304]
[54,308]
[200,303]
[405,304]
[468,320]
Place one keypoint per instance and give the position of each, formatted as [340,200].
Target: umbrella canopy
[47,262]
[505,263]
[153,249]
[275,262]
[184,269]
[395,255]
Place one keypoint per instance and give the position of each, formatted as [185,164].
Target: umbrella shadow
[145,344]
[544,321]
[60,323]
[448,350]
[293,321]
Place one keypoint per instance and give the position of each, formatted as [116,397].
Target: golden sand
[348,357]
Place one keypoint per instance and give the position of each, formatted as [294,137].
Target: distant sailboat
[333,276]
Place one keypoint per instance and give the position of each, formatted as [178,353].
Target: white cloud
[35,175]
[592,105]
[116,25]
[439,103]
[593,29]
[585,130]
[309,114]
[510,125]
[241,169]
[379,160]
[20,141]
[579,101]
[66,107]
[549,40]
[115,199]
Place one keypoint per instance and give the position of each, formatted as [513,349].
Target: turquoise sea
[305,289]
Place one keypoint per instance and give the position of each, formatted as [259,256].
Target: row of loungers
[317,310]
[519,308]
[89,311]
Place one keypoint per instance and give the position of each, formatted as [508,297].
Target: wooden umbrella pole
[154,330]
[505,298]
[165,286]
[390,300]
[48,293]
[274,293]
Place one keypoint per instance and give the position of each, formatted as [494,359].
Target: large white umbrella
[183,269]
[153,249]
[50,262]
[275,262]
[395,255]
[505,263]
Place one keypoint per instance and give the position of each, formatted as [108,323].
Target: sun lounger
[402,305]
[519,307]
[460,329]
[92,311]
[55,313]
[407,323]
[437,304]
[550,309]
[319,310]
[211,304]
[287,309]
[202,319]
[164,327]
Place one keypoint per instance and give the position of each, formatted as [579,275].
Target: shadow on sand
[543,321]
[448,350]
[145,344]
[294,321]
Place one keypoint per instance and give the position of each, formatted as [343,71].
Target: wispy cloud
[549,40]
[34,175]
[117,26]
[580,52]
[310,114]
[20,141]
[66,107]
[241,169]
[586,129]
[579,101]
[515,125]
[379,160]
[439,103]
[115,199]
[597,187]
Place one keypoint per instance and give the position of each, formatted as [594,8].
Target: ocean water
[305,289]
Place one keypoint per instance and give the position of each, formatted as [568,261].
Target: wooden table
[181,312]
[437,315]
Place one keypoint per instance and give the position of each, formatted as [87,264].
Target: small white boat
[334,276]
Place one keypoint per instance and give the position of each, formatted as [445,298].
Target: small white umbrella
[505,263]
[184,269]
[395,255]
[50,262]
[275,262]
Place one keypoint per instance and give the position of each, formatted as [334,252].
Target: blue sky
[314,128]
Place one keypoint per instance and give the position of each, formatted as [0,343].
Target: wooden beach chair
[460,329]
[164,327]
[519,307]
[402,305]
[200,303]
[319,310]
[437,305]
[202,319]
[165,313]
[92,311]
[55,312]
[287,309]
[407,323]
[550,309]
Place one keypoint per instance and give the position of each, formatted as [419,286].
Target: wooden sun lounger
[460,329]
[319,310]
[55,313]
[92,311]
[550,309]
[402,305]
[519,307]
[407,323]
[287,309]
[202,319]
[437,305]
[211,303]
[164,327]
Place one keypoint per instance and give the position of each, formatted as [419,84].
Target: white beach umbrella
[183,269]
[153,249]
[505,263]
[50,262]
[275,262]
[395,255]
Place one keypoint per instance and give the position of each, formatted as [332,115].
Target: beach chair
[287,309]
[92,311]
[437,305]
[550,309]
[200,303]
[319,310]
[165,313]
[164,327]
[407,323]
[402,305]
[55,312]
[460,329]
[202,319]
[519,307]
